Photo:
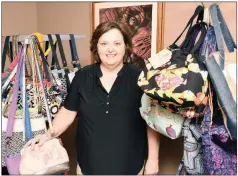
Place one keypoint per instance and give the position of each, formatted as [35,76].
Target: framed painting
[144,19]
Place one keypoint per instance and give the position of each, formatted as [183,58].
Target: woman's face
[111,48]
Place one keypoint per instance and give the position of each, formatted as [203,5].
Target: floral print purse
[176,77]
[162,121]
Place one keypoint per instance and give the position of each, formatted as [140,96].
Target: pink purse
[51,158]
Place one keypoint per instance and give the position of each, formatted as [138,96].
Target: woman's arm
[152,163]
[61,122]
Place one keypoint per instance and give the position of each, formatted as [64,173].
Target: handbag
[213,47]
[51,158]
[176,77]
[55,94]
[17,129]
[160,119]
[219,151]
[192,155]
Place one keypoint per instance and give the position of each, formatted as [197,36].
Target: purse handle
[73,49]
[54,52]
[222,32]
[13,106]
[202,26]
[26,113]
[44,61]
[198,12]
[61,50]
[41,84]
[4,53]
[64,60]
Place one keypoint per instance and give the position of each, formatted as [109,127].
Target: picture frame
[141,17]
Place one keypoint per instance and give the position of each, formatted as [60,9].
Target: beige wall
[177,15]
[74,17]
[66,18]
[19,18]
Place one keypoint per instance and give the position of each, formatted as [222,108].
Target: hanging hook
[203,4]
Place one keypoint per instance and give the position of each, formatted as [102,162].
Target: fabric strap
[43,88]
[26,114]
[13,106]
[198,12]
[63,60]
[222,32]
[54,51]
[61,50]
[4,53]
[74,54]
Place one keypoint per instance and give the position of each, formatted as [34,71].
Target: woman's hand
[151,167]
[39,139]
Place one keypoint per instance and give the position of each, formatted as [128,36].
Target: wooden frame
[157,20]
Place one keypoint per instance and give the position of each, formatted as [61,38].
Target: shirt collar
[98,70]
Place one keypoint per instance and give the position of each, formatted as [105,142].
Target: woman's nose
[110,48]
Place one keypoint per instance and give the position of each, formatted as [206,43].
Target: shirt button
[107,103]
[107,112]
[108,96]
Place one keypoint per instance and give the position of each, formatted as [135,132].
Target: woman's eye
[118,44]
[103,44]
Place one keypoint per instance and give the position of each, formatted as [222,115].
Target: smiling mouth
[110,55]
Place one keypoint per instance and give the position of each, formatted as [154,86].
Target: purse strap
[44,61]
[63,59]
[53,52]
[198,12]
[74,54]
[26,113]
[202,26]
[4,53]
[61,50]
[13,106]
[43,91]
[222,32]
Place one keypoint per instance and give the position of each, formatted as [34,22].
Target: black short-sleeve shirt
[111,134]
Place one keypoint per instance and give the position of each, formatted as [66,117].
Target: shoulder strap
[4,53]
[63,59]
[54,51]
[73,49]
[198,12]
[61,50]
[222,32]
[13,106]
[44,61]
[202,26]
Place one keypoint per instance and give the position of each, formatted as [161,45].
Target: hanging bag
[216,66]
[51,158]
[176,77]
[192,153]
[219,151]
[18,128]
[159,119]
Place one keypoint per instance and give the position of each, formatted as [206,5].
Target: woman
[112,138]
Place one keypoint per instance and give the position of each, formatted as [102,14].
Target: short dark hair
[105,27]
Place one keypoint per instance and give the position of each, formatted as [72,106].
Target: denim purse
[214,44]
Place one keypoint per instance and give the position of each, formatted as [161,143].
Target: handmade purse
[219,151]
[19,127]
[216,66]
[176,77]
[213,53]
[159,119]
[192,154]
[51,158]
